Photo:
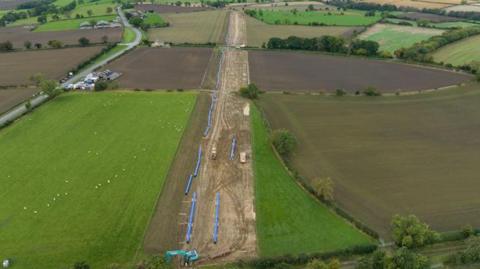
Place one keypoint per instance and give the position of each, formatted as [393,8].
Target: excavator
[189,256]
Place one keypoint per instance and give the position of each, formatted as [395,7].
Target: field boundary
[298,179]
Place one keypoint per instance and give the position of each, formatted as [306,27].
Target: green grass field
[459,53]
[259,32]
[393,37]
[154,18]
[438,25]
[195,27]
[128,35]
[290,221]
[415,154]
[81,175]
[72,24]
[339,18]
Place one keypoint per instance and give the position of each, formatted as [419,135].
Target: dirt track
[234,181]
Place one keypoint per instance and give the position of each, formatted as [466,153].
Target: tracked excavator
[188,256]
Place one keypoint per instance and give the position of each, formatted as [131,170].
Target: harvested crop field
[17,67]
[168,8]
[12,97]
[408,3]
[19,35]
[291,71]
[86,170]
[159,68]
[459,53]
[393,37]
[398,154]
[196,28]
[425,16]
[466,8]
[259,32]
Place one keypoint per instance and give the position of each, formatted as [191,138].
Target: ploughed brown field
[11,4]
[19,35]
[162,68]
[293,71]
[12,97]
[17,67]
[168,8]
[415,154]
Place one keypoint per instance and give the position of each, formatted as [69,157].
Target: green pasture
[81,175]
[459,53]
[339,18]
[154,19]
[128,35]
[72,24]
[289,220]
[393,37]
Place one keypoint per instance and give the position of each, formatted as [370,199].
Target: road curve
[19,110]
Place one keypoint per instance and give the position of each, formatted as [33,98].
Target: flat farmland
[292,71]
[425,16]
[259,32]
[197,28]
[410,154]
[289,220]
[459,53]
[17,67]
[409,3]
[69,24]
[168,8]
[19,35]
[467,8]
[323,17]
[12,97]
[393,37]
[157,68]
[86,190]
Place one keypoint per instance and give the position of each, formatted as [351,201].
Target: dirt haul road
[231,179]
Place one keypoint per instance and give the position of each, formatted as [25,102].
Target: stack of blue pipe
[233,147]
[199,160]
[191,217]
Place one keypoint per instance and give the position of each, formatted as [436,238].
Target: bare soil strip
[233,180]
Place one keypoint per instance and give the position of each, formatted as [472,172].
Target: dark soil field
[291,71]
[11,4]
[158,68]
[18,35]
[17,67]
[168,8]
[426,16]
[12,97]
[387,155]
[164,231]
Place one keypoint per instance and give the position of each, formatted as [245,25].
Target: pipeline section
[191,217]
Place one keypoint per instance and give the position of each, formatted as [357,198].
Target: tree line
[326,43]
[421,51]
[7,46]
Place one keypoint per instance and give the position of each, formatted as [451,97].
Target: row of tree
[7,46]
[422,51]
[325,43]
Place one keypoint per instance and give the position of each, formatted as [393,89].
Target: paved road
[18,111]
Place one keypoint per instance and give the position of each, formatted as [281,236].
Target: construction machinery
[188,256]
[213,154]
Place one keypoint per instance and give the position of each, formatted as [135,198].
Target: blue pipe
[189,184]
[217,213]
[233,147]
[199,161]
[191,217]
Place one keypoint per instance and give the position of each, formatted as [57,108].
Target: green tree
[251,91]
[284,142]
[407,259]
[6,46]
[89,13]
[50,87]
[324,187]
[316,264]
[42,19]
[109,10]
[410,232]
[83,41]
[55,44]
[101,85]
[37,78]
[27,44]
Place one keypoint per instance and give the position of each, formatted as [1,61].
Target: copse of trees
[6,46]
[421,51]
[401,258]
[410,232]
[250,92]
[470,255]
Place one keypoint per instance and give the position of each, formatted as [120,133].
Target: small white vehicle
[243,157]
